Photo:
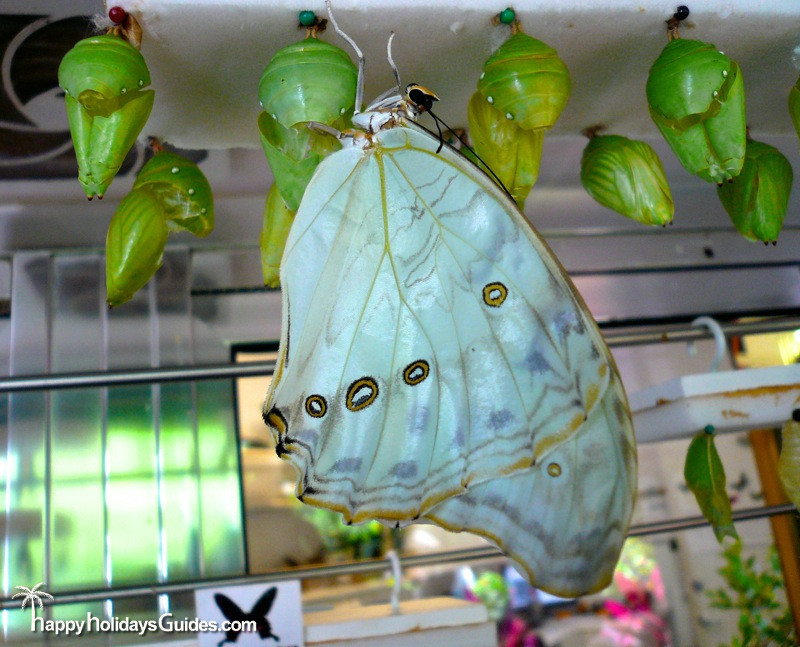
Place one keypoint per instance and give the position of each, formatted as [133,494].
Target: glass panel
[25,545]
[178,451]
[131,492]
[77,509]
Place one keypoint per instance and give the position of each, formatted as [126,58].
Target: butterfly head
[420,98]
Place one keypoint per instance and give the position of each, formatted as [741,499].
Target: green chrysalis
[696,98]
[135,245]
[521,93]
[526,82]
[626,175]
[306,81]
[794,106]
[512,153]
[757,199]
[183,192]
[789,461]
[705,477]
[103,78]
[278,220]
[309,81]
[170,193]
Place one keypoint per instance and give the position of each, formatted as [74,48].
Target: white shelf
[729,400]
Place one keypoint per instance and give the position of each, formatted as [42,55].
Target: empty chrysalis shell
[512,153]
[278,220]
[103,79]
[757,199]
[183,192]
[135,245]
[794,106]
[309,81]
[526,81]
[626,175]
[696,98]
[170,192]
[293,154]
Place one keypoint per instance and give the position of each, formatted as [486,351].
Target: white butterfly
[437,365]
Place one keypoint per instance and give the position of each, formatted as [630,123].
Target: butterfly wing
[564,520]
[430,339]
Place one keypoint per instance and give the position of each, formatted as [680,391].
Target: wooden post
[784,527]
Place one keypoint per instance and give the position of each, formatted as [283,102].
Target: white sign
[252,615]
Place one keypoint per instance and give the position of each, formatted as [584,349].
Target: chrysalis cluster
[170,193]
[521,93]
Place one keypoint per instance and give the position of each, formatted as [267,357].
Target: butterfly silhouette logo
[258,614]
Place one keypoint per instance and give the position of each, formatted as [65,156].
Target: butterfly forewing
[431,341]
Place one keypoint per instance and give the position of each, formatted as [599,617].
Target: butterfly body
[433,346]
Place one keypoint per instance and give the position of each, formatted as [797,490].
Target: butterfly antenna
[439,130]
[359,53]
[392,64]
[470,149]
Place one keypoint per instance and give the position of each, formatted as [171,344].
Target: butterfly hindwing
[431,341]
[563,520]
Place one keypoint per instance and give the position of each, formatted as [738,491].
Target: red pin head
[117,15]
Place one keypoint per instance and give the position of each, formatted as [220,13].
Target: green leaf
[789,461]
[705,477]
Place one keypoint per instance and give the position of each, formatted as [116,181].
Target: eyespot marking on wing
[554,469]
[361,394]
[416,372]
[494,294]
[316,406]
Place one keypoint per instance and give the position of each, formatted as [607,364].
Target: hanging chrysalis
[521,93]
[705,477]
[626,175]
[278,220]
[183,192]
[135,245]
[757,199]
[696,98]
[170,193]
[794,106]
[306,81]
[789,461]
[104,80]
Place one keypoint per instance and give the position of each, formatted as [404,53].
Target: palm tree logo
[34,596]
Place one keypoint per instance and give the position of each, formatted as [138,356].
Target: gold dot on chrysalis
[509,115]
[483,74]
[715,93]
[494,294]
[141,83]
[175,169]
[554,469]
[203,210]
[123,90]
[342,111]
[490,100]
[724,73]
[191,191]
